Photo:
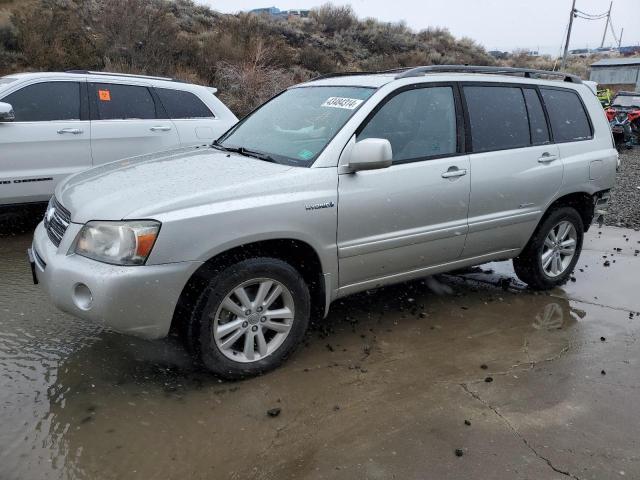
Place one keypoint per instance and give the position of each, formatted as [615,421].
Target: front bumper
[137,300]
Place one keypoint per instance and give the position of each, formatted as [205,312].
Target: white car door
[195,121]
[127,121]
[48,140]
[516,170]
[396,222]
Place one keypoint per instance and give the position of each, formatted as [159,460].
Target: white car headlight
[118,243]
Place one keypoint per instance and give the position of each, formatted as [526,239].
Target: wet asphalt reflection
[464,374]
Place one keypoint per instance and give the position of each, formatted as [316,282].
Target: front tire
[553,251]
[250,317]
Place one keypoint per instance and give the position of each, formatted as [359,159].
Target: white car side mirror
[6,113]
[370,154]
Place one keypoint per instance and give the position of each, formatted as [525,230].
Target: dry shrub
[247,84]
[332,19]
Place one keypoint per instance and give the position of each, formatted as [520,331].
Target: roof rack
[128,75]
[526,72]
[346,74]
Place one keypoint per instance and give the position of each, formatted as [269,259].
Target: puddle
[369,389]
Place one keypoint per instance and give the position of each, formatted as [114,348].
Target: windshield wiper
[245,151]
[259,155]
[216,144]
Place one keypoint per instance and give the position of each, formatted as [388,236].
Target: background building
[617,73]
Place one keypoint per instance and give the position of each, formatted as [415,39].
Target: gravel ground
[624,210]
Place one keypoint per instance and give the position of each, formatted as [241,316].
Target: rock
[602,372]
[483,366]
[602,339]
[274,412]
[459,452]
[467,423]
[488,379]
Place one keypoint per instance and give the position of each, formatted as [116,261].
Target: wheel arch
[298,253]
[582,202]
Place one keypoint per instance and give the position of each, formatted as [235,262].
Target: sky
[495,24]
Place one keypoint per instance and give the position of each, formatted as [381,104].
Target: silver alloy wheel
[559,249]
[253,320]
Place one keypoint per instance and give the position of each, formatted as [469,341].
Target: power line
[590,16]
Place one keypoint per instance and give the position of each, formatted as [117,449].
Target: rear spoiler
[212,89]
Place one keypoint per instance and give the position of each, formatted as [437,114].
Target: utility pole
[606,25]
[620,39]
[566,45]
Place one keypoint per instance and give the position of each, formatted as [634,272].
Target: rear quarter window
[569,120]
[180,104]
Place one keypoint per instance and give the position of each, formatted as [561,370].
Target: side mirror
[6,113]
[370,154]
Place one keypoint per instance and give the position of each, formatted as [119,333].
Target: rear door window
[123,102]
[569,121]
[498,118]
[180,104]
[46,102]
[419,123]
[537,120]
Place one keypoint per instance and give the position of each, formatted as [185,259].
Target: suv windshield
[294,127]
[626,101]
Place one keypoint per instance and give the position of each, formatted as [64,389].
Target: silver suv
[335,186]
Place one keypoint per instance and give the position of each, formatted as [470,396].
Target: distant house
[617,73]
[498,54]
[631,50]
[276,12]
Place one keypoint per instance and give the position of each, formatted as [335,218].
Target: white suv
[56,124]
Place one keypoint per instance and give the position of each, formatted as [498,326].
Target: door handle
[162,128]
[547,158]
[73,131]
[454,172]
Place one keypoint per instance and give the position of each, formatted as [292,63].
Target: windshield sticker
[342,102]
[104,95]
[305,154]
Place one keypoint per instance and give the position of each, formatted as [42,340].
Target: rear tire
[553,251]
[250,318]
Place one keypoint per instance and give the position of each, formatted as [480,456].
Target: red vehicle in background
[624,118]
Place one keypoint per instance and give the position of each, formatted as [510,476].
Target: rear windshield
[294,127]
[627,101]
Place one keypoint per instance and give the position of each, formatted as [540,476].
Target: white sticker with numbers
[342,102]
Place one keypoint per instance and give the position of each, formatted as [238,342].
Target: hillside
[248,57]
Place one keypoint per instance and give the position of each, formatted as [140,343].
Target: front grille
[56,221]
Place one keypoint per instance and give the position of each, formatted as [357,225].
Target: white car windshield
[294,127]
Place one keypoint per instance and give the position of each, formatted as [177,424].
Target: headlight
[118,243]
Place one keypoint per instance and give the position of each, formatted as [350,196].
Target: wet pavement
[484,380]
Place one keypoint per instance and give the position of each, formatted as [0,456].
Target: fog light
[82,296]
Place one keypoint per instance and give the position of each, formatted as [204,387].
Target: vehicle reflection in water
[555,314]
